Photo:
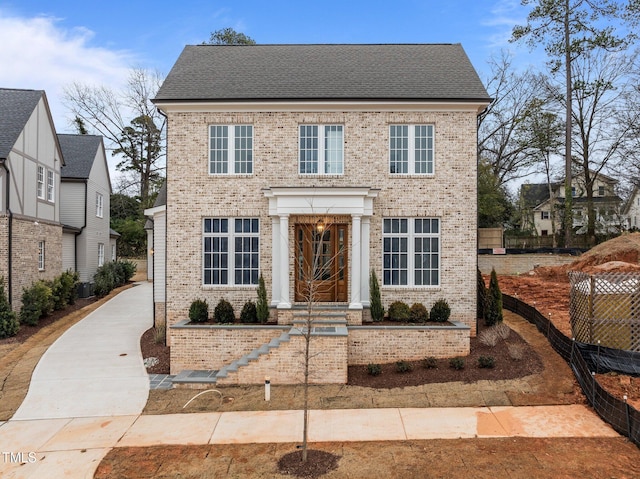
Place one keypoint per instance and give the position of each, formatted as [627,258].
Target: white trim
[319,200]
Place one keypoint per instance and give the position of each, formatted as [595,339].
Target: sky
[47,45]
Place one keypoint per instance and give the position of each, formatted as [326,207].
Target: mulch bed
[153,349]
[318,463]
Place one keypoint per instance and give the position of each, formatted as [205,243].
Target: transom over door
[321,262]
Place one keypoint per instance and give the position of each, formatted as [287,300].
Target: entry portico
[316,204]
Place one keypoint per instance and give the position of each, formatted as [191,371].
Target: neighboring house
[631,210]
[84,198]
[537,206]
[156,252]
[30,162]
[371,147]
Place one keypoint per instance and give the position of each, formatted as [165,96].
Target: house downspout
[3,161]
[75,242]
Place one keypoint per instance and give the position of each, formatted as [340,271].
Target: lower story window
[41,245]
[411,252]
[231,248]
[100,254]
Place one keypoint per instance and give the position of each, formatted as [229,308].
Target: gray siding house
[30,162]
[84,198]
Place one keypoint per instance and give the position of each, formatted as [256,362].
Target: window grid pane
[333,156]
[423,149]
[399,149]
[231,256]
[243,149]
[219,149]
[40,182]
[50,179]
[308,149]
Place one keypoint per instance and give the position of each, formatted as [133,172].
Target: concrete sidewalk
[95,368]
[75,447]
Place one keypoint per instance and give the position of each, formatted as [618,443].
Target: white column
[356,257]
[275,260]
[284,263]
[364,250]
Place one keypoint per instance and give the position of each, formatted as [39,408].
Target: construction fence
[585,361]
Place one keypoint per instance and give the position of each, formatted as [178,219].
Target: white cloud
[36,53]
[504,15]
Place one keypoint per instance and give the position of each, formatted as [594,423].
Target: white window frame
[99,205]
[41,255]
[100,254]
[231,151]
[113,252]
[323,160]
[231,255]
[51,186]
[411,267]
[545,215]
[412,148]
[40,182]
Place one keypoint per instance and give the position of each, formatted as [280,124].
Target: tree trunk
[568,200]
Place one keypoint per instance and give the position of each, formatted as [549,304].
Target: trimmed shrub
[249,313]
[418,313]
[486,362]
[9,324]
[262,306]
[199,311]
[128,269]
[377,310]
[69,280]
[456,363]
[223,312]
[399,311]
[374,369]
[403,367]
[482,297]
[37,301]
[440,311]
[112,275]
[57,294]
[494,301]
[430,363]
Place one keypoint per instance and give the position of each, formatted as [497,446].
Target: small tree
[482,297]
[494,303]
[377,310]
[9,324]
[262,307]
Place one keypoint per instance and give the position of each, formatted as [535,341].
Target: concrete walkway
[75,447]
[95,368]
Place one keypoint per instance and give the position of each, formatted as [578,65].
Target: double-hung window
[100,254]
[99,205]
[41,252]
[411,149]
[230,149]
[321,150]
[50,183]
[40,183]
[231,251]
[411,252]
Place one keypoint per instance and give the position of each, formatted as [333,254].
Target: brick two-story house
[369,149]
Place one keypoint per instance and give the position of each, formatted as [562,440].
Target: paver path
[95,368]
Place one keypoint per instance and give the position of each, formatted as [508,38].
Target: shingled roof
[423,72]
[16,107]
[79,153]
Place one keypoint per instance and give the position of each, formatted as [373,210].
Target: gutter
[3,162]
[75,243]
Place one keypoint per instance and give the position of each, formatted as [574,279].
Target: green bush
[374,369]
[494,301]
[430,363]
[418,313]
[440,311]
[249,313]
[128,269]
[481,311]
[486,362]
[69,280]
[456,363]
[198,311]
[223,312]
[399,311]
[37,301]
[112,275]
[9,324]
[262,306]
[377,311]
[403,367]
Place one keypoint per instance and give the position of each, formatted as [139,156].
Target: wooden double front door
[321,262]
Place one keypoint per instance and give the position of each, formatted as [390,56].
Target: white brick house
[375,145]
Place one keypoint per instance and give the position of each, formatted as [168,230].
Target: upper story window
[544,215]
[411,149]
[230,149]
[321,150]
[573,191]
[600,190]
[40,182]
[99,205]
[50,185]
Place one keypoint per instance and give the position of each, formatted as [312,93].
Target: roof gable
[79,154]
[16,107]
[425,72]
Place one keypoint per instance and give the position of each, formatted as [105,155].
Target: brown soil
[318,463]
[153,346]
[513,457]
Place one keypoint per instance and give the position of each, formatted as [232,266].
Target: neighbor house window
[321,150]
[100,254]
[113,252]
[40,182]
[411,252]
[230,149]
[99,205]
[231,251]
[41,249]
[544,215]
[50,183]
[600,190]
[411,149]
